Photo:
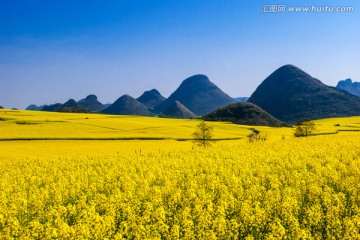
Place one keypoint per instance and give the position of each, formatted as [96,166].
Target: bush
[304,128]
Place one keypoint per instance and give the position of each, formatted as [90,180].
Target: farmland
[118,177]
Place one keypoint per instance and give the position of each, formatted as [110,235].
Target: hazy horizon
[52,51]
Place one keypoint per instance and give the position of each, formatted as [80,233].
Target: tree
[257,136]
[304,128]
[203,134]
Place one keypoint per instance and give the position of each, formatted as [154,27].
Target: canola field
[71,186]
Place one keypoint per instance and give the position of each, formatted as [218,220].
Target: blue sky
[51,50]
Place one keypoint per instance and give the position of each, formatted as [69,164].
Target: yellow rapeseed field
[33,124]
[282,188]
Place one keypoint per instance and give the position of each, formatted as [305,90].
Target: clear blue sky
[53,50]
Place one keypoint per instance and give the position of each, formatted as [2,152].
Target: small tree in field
[304,128]
[203,134]
[257,136]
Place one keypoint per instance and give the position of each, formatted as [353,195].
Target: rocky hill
[198,94]
[151,98]
[243,113]
[290,94]
[349,86]
[178,110]
[127,105]
[72,106]
[91,104]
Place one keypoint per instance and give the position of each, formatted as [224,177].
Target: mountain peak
[178,110]
[345,82]
[348,81]
[91,103]
[198,81]
[198,94]
[151,98]
[349,86]
[91,97]
[197,78]
[290,94]
[72,106]
[155,91]
[289,66]
[70,103]
[32,107]
[127,105]
[288,72]
[126,96]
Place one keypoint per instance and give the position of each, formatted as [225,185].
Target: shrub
[304,128]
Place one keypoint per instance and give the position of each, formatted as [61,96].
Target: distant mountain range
[51,108]
[291,95]
[72,106]
[349,86]
[88,104]
[34,107]
[288,95]
[195,96]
